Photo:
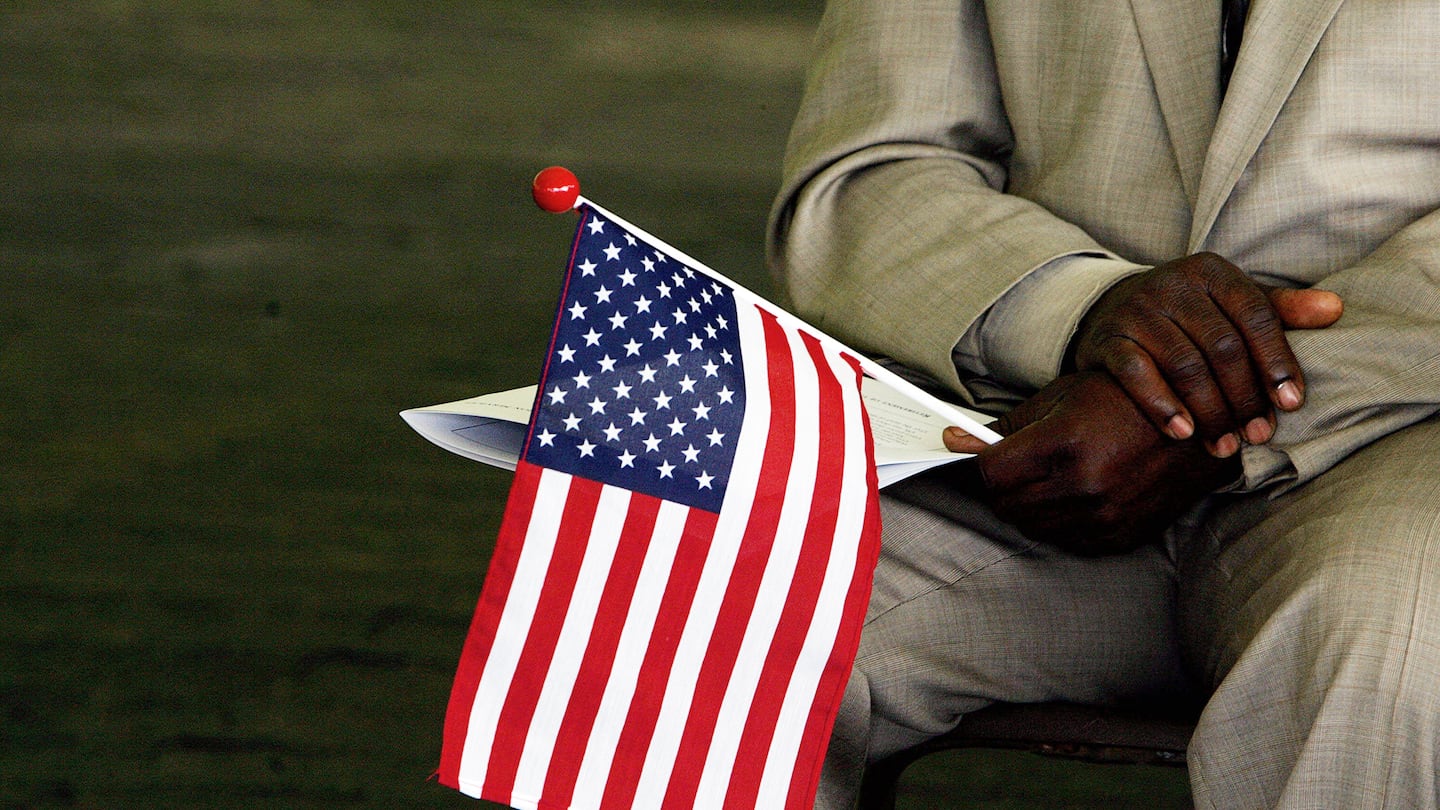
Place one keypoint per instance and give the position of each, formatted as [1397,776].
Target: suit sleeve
[892,231]
[1374,372]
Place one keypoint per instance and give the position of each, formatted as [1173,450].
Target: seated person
[1132,232]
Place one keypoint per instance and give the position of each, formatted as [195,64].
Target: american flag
[685,560]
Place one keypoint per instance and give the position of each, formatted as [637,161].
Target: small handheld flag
[685,560]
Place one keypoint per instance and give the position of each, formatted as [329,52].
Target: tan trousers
[1309,623]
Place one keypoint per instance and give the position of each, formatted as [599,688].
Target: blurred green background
[236,239]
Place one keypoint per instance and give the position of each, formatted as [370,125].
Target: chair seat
[1150,735]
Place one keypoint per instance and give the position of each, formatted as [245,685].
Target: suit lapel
[1280,37]
[1181,40]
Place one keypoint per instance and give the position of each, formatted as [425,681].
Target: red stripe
[599,658]
[831,689]
[801,602]
[478,642]
[513,725]
[739,600]
[644,710]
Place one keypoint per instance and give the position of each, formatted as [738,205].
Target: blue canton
[645,388]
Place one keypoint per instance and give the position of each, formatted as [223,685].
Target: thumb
[1305,309]
[958,441]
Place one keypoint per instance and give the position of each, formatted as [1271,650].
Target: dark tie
[1232,27]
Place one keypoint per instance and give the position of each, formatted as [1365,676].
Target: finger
[1143,381]
[1305,309]
[1249,310]
[958,441]
[1182,358]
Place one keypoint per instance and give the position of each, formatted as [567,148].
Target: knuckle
[1227,347]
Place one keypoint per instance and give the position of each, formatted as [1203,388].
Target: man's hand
[1201,348]
[1081,467]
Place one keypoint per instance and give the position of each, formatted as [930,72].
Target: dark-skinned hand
[1201,348]
[1082,468]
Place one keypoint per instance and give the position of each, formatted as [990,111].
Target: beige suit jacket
[946,149]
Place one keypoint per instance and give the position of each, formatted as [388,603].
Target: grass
[235,240]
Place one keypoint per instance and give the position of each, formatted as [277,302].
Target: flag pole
[557,190]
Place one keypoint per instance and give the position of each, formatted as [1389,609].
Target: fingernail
[1258,430]
[1289,395]
[1226,446]
[1179,427]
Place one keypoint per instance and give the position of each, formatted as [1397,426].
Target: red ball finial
[555,189]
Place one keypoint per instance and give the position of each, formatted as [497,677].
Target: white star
[577,312]
[704,480]
[586,448]
[630,240]
[607,363]
[672,358]
[705,294]
[637,417]
[711,370]
[726,395]
[691,454]
[679,316]
[627,278]
[695,343]
[676,427]
[612,433]
[660,257]
[725,356]
[678,279]
[622,391]
[720,319]
[632,348]
[596,406]
[567,354]
[716,438]
[612,253]
[592,338]
[582,380]
[617,321]
[652,444]
[642,304]
[602,295]
[667,469]
[597,225]
[627,459]
[572,422]
[694,305]
[556,395]
[547,439]
[664,290]
[710,330]
[657,332]
[587,268]
[701,411]
[647,374]
[649,265]
[662,402]
[687,385]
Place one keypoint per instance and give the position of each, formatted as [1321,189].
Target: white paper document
[491,429]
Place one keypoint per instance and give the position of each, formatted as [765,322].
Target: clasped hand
[1173,369]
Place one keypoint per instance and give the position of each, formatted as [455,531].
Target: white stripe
[553,487]
[775,584]
[719,564]
[610,514]
[841,570]
[629,655]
